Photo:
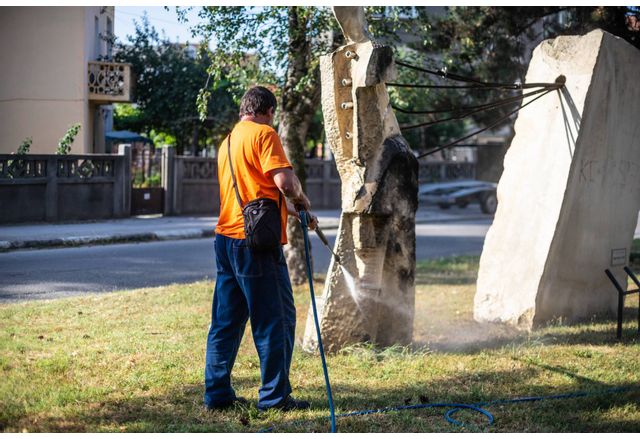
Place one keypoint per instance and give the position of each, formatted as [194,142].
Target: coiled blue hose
[477,407]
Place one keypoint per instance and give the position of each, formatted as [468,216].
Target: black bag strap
[233,177]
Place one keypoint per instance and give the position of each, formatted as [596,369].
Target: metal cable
[474,108]
[455,77]
[473,87]
[497,122]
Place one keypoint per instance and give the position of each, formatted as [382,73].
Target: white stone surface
[570,192]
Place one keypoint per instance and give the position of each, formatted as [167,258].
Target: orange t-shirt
[255,151]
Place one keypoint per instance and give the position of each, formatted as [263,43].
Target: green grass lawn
[133,361]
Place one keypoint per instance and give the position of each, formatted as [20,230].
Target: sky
[158,17]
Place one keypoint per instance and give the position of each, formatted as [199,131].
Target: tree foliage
[168,79]
[257,46]
[253,44]
[25,146]
[488,43]
[64,144]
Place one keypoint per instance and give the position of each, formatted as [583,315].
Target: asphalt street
[52,273]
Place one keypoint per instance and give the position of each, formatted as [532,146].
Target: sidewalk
[156,227]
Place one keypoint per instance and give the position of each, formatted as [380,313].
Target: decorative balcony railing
[109,82]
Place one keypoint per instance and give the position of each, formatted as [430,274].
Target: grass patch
[133,361]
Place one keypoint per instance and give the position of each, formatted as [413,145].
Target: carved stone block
[570,192]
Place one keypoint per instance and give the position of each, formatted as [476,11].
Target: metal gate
[147,201]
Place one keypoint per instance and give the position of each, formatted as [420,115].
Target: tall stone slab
[376,236]
[569,196]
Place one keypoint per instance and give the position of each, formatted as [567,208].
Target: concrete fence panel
[196,182]
[191,184]
[64,187]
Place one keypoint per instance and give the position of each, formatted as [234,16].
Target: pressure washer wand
[320,234]
[326,244]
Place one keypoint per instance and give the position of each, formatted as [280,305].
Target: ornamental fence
[55,188]
[191,184]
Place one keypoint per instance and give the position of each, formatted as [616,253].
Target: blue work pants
[256,286]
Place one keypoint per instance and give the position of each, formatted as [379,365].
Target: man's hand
[302,201]
[313,221]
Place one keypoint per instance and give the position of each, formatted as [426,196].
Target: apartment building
[56,72]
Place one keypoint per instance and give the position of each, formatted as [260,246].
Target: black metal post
[621,293]
[637,282]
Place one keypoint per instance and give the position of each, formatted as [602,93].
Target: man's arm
[290,186]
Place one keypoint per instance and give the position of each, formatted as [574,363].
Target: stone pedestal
[569,196]
[379,173]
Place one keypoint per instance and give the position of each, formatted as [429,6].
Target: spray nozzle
[305,219]
[326,243]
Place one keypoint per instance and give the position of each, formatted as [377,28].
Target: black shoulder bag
[262,227]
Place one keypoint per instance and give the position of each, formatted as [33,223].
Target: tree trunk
[292,130]
[298,106]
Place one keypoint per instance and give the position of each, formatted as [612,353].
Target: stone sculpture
[569,196]
[376,236]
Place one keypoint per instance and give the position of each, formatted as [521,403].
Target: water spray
[350,281]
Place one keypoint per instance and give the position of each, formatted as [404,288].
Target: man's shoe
[227,404]
[288,404]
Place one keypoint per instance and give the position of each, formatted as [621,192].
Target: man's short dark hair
[257,100]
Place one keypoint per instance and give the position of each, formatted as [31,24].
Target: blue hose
[304,221]
[477,407]
[454,407]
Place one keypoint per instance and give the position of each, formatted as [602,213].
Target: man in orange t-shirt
[249,284]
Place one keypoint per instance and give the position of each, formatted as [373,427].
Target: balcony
[109,82]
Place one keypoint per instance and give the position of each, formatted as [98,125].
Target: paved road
[50,273]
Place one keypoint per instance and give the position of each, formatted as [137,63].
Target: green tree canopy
[492,44]
[167,81]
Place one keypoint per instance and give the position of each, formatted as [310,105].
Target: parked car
[460,193]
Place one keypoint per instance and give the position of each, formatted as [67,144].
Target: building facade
[56,72]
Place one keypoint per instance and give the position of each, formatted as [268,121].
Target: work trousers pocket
[278,257]
[246,262]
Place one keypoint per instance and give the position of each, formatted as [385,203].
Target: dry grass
[132,361]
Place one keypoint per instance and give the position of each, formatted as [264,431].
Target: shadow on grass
[179,408]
